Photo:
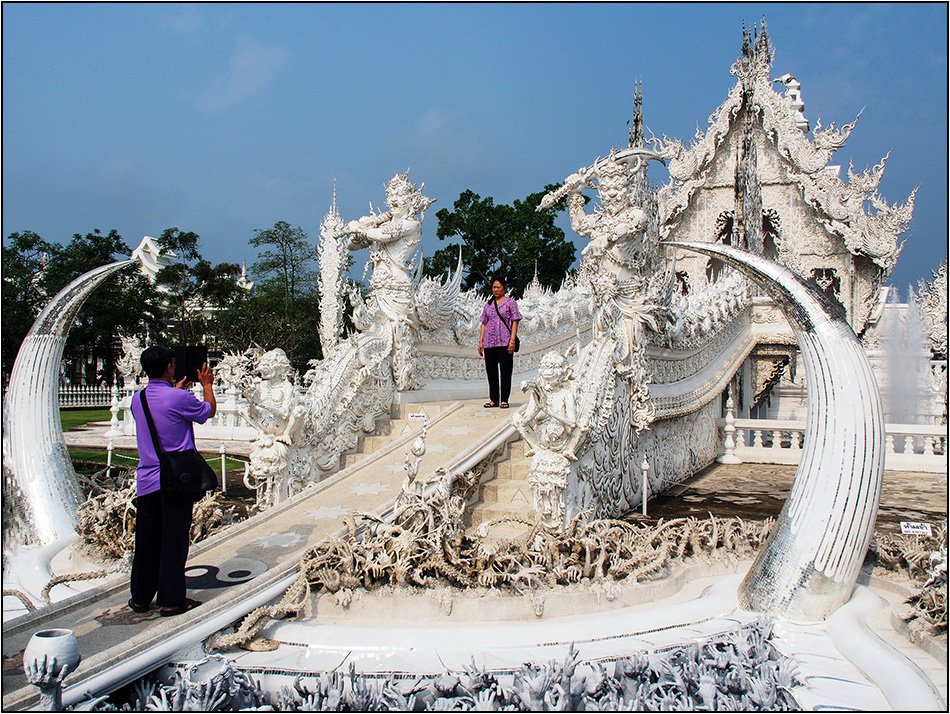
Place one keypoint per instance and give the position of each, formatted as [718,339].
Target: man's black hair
[155,359]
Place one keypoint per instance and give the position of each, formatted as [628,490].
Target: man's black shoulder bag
[183,473]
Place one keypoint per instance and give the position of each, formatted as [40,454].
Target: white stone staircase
[506,495]
[387,430]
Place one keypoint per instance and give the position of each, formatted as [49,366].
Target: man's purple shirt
[173,411]
[497,333]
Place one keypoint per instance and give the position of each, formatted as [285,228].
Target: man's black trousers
[162,530]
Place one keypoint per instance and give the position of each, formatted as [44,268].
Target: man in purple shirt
[163,521]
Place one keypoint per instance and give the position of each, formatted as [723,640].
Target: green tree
[197,293]
[219,293]
[24,260]
[181,285]
[285,266]
[259,318]
[282,310]
[127,304]
[502,239]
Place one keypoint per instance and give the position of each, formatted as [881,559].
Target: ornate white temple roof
[151,257]
[840,206]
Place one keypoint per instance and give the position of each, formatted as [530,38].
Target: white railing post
[114,408]
[645,468]
[909,444]
[729,440]
[224,470]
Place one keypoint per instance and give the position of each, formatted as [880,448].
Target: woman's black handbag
[182,473]
[517,339]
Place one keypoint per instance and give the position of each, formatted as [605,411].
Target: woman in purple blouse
[496,342]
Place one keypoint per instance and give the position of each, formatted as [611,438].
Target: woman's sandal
[139,608]
[504,405]
[187,605]
[489,405]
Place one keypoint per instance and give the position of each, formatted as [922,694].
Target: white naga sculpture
[392,238]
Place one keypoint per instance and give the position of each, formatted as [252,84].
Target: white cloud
[445,135]
[185,21]
[251,67]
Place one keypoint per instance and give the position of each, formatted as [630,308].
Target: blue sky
[225,118]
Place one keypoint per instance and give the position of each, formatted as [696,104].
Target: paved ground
[92,436]
[757,491]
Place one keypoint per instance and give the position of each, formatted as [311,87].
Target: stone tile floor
[757,491]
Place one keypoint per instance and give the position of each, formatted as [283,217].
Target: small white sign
[916,528]
[418,416]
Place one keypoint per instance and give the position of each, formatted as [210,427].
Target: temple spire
[635,137]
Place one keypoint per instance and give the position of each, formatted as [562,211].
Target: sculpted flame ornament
[932,305]
[331,253]
[810,562]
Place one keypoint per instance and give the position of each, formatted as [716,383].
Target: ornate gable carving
[852,212]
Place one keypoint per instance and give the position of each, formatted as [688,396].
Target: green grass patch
[131,458]
[74,418]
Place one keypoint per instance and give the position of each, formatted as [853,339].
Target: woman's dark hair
[155,359]
[498,279]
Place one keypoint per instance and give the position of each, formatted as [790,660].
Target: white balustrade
[227,423]
[908,447]
[79,396]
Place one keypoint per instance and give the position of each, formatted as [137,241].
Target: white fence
[82,396]
[227,423]
[909,447]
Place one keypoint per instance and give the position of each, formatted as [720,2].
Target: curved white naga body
[35,457]
[810,562]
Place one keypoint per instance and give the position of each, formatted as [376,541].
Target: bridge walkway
[249,564]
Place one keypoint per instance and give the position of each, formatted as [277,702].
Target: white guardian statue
[392,238]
